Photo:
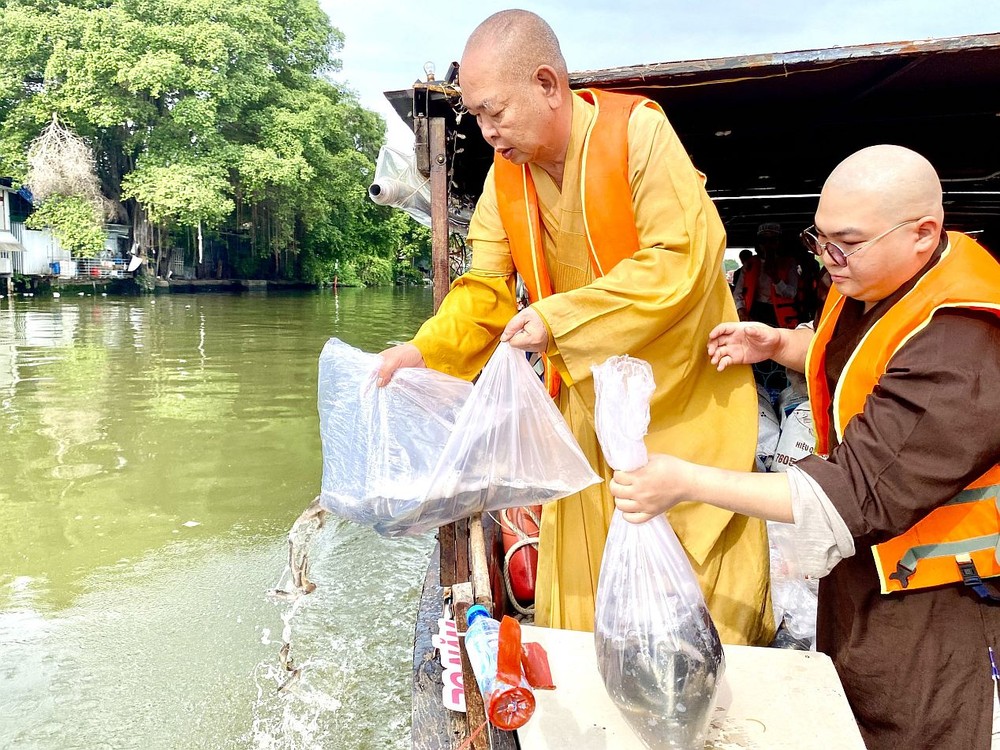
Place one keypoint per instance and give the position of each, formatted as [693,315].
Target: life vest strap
[975,494]
[966,566]
[967,525]
[972,579]
[907,564]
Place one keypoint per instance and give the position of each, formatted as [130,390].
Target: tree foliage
[186,194]
[73,222]
[217,114]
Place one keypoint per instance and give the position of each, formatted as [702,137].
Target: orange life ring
[520,545]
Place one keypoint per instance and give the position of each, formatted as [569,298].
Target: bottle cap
[474,613]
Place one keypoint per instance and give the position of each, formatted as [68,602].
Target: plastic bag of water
[658,651]
[428,449]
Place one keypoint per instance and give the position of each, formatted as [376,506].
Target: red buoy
[520,545]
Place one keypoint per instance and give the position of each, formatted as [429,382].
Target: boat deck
[769,699]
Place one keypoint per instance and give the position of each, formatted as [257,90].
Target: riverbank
[127,287]
[191,286]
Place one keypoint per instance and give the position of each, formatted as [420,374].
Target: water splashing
[341,674]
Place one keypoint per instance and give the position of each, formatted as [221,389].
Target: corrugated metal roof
[768,129]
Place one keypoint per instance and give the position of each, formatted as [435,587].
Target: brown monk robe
[902,639]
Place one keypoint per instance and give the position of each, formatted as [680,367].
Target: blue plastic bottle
[507,706]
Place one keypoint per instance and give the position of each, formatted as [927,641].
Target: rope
[471,738]
[523,541]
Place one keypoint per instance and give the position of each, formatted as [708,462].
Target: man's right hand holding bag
[658,651]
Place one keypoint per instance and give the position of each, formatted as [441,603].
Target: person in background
[771,283]
[593,200]
[897,511]
[807,301]
[746,261]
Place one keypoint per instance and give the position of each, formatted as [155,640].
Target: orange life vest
[750,279]
[785,310]
[959,540]
[607,201]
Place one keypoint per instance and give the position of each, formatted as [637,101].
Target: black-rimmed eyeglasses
[836,252]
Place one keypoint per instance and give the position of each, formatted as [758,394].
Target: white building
[11,249]
[36,252]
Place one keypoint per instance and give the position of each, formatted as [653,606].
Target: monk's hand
[742,344]
[526,331]
[402,355]
[654,489]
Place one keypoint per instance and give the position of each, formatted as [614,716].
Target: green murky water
[154,453]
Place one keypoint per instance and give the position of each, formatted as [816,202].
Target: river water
[154,453]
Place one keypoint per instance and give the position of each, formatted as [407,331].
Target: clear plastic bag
[768,430]
[794,597]
[429,449]
[657,648]
[399,184]
[623,387]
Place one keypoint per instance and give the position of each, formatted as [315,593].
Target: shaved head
[899,183]
[882,205]
[514,82]
[520,42]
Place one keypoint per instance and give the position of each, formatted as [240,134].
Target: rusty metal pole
[439,210]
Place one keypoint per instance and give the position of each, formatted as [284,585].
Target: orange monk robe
[658,306]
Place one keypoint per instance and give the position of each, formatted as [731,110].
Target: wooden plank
[446,547]
[493,544]
[475,711]
[501,740]
[463,572]
[433,727]
[454,541]
[489,738]
[439,209]
[480,572]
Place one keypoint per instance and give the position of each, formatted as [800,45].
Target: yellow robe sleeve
[463,333]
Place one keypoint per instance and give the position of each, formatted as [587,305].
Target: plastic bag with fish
[429,449]
[657,648]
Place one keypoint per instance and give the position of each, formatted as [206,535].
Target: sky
[387,42]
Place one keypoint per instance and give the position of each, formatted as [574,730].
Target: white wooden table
[770,699]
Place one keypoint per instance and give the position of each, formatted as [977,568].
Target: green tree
[207,116]
[72,221]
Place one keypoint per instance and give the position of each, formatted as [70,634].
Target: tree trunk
[141,232]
